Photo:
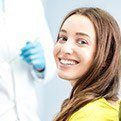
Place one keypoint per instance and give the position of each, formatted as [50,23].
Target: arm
[40,59]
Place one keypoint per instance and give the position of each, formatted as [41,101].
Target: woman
[87,54]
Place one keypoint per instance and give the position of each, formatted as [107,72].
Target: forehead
[78,19]
[79,23]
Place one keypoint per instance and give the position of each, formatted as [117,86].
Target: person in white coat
[25,46]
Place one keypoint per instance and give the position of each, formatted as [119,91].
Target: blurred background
[57,89]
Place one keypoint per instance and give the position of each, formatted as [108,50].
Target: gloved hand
[33,54]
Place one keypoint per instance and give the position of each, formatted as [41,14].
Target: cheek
[56,51]
[87,58]
[88,54]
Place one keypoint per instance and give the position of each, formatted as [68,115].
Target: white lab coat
[22,20]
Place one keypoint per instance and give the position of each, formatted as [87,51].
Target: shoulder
[99,110]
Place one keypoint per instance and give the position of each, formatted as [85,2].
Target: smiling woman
[87,54]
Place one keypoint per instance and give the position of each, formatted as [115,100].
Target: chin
[65,77]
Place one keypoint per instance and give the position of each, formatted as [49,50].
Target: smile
[67,62]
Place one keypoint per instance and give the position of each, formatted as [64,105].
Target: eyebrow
[62,30]
[78,33]
[82,34]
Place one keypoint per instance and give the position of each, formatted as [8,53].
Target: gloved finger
[39,67]
[37,61]
[32,49]
[37,56]
[27,47]
[37,64]
[32,52]
[28,60]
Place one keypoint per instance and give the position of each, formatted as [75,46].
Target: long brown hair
[102,79]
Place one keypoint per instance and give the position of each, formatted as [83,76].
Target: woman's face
[75,48]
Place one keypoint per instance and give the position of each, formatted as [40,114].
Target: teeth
[68,62]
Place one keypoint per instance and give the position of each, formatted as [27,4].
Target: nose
[68,47]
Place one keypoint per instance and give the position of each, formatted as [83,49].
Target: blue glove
[33,54]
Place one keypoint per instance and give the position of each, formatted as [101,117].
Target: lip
[66,66]
[66,58]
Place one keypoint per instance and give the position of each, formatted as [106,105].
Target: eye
[82,41]
[62,39]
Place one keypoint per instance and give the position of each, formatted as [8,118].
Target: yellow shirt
[120,112]
[99,110]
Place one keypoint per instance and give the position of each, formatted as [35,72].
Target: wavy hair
[102,79]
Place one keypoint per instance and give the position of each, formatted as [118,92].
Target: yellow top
[99,110]
[120,112]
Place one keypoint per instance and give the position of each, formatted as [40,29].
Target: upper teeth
[68,62]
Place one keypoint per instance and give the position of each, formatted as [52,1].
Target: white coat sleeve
[6,89]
